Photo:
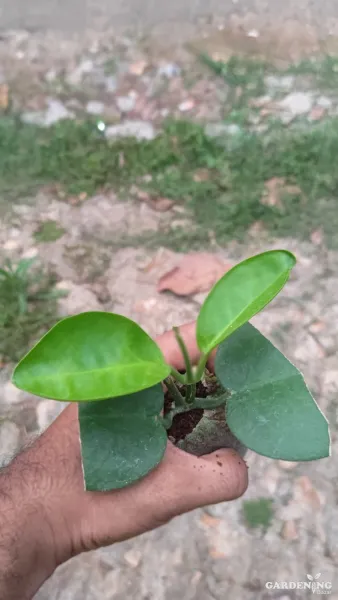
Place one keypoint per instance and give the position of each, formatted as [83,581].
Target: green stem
[174,391]
[190,393]
[200,367]
[178,376]
[185,353]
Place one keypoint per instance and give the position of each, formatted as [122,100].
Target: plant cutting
[131,401]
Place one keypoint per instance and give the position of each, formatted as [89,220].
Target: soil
[185,423]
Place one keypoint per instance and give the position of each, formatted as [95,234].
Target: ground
[251,167]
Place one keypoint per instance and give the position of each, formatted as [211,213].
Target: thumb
[199,481]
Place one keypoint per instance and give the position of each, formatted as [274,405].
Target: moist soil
[185,423]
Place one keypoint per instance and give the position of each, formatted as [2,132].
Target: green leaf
[270,410]
[122,439]
[91,356]
[240,294]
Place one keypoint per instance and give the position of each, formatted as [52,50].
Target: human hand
[47,517]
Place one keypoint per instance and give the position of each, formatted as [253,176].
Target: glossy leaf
[240,294]
[91,356]
[270,410]
[122,439]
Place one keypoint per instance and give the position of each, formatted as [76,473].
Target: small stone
[138,68]
[297,103]
[253,33]
[186,105]
[289,531]
[285,82]
[133,558]
[126,103]
[10,437]
[47,411]
[141,130]
[11,394]
[79,299]
[169,70]
[95,108]
[306,493]
[324,102]
[30,253]
[11,245]
[56,111]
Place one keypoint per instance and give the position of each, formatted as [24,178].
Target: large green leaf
[240,294]
[270,410]
[122,438]
[91,356]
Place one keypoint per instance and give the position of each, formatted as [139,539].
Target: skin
[46,517]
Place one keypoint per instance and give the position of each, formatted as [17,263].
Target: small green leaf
[91,356]
[270,410]
[240,294]
[122,439]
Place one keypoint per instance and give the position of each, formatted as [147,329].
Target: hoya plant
[131,400]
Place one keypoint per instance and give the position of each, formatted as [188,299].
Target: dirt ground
[211,553]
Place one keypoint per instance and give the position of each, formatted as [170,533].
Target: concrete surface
[79,14]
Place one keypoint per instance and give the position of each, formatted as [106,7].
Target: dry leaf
[306,493]
[4,96]
[157,203]
[209,521]
[138,68]
[201,175]
[216,553]
[196,272]
[275,188]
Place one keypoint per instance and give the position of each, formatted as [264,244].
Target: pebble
[324,102]
[11,394]
[55,112]
[297,103]
[95,108]
[126,103]
[75,77]
[133,558]
[141,130]
[289,531]
[169,70]
[285,82]
[186,105]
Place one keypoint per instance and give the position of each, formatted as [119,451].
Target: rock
[47,411]
[10,437]
[141,130]
[297,103]
[215,130]
[55,112]
[75,78]
[133,557]
[126,103]
[79,299]
[324,102]
[11,394]
[285,82]
[169,70]
[95,108]
[186,105]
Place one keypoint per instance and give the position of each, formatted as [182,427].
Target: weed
[258,513]
[27,307]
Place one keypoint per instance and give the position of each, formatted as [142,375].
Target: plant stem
[178,376]
[200,367]
[190,393]
[185,354]
[176,394]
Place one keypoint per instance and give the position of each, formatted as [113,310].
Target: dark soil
[185,423]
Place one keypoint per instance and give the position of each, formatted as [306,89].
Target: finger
[171,350]
[182,482]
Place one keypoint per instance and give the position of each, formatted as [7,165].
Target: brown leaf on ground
[157,203]
[209,521]
[306,493]
[275,189]
[196,272]
[4,96]
[289,531]
[201,175]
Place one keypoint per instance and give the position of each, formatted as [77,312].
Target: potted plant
[131,400]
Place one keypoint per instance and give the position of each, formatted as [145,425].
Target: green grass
[27,307]
[226,202]
[258,513]
[49,231]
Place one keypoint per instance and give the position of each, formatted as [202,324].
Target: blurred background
[144,149]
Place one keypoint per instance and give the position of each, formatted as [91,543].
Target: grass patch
[258,513]
[27,307]
[220,182]
[49,231]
